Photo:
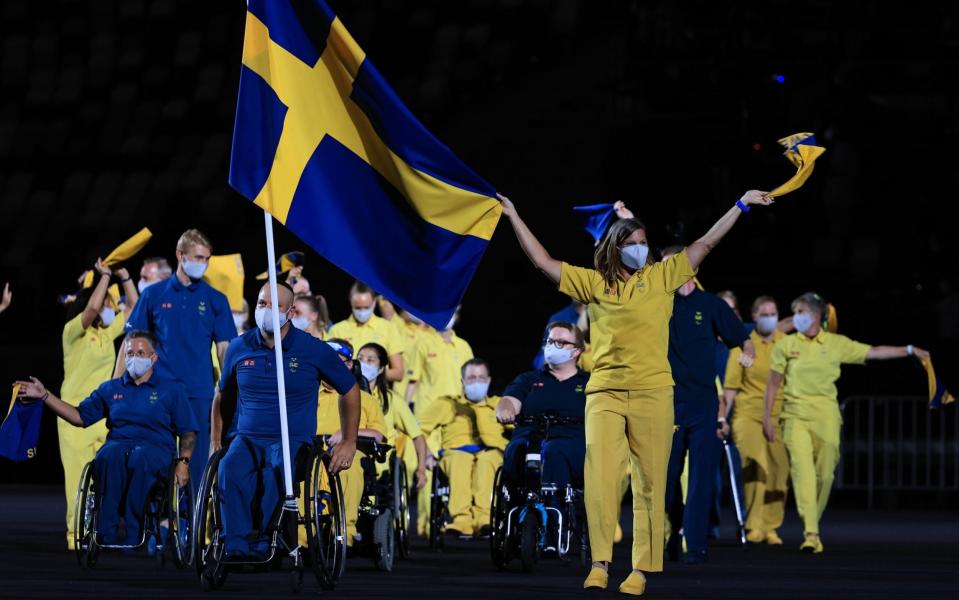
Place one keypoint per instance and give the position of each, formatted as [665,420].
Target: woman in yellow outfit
[372,424]
[765,464]
[88,359]
[807,365]
[629,398]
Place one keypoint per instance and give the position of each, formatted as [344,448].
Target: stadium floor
[869,555]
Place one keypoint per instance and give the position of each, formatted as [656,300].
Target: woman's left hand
[757,197]
[921,354]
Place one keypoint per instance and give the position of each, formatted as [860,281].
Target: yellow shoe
[773,539]
[634,585]
[755,536]
[597,579]
[812,544]
[618,534]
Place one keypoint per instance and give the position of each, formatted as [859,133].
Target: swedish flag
[324,145]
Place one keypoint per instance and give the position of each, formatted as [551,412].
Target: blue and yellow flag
[939,396]
[595,218]
[802,151]
[20,430]
[324,144]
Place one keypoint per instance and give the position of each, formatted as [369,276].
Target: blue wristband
[742,206]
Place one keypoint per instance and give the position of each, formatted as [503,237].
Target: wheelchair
[531,517]
[321,515]
[167,502]
[383,515]
[439,509]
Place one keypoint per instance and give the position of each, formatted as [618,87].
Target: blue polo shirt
[698,319]
[541,392]
[249,373]
[187,320]
[154,412]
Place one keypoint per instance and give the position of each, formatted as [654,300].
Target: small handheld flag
[802,151]
[595,218]
[287,261]
[939,396]
[20,430]
[122,252]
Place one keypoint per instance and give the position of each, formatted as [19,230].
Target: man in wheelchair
[558,389]
[250,473]
[144,414]
[471,448]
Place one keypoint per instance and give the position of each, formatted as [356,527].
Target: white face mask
[802,322]
[300,323]
[107,314]
[476,392]
[371,372]
[194,270]
[634,256]
[264,319]
[556,356]
[362,315]
[767,324]
[144,284]
[138,365]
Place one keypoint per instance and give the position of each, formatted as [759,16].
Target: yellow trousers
[471,487]
[813,456]
[642,420]
[78,446]
[352,482]
[765,473]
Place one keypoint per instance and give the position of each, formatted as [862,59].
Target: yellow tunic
[328,413]
[750,383]
[629,324]
[377,330]
[435,367]
[464,423]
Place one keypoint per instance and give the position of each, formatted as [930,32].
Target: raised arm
[889,352]
[698,250]
[772,387]
[33,390]
[531,246]
[129,291]
[92,309]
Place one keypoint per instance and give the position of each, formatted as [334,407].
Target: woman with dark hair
[373,360]
[807,365]
[88,360]
[629,397]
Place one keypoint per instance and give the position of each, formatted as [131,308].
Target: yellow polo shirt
[328,413]
[410,332]
[811,368]
[435,367]
[463,423]
[750,383]
[398,417]
[377,330]
[88,357]
[629,324]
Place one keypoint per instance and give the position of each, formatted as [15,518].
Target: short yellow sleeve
[852,352]
[397,339]
[403,418]
[73,330]
[578,283]
[115,329]
[734,371]
[372,414]
[780,356]
[677,271]
[414,362]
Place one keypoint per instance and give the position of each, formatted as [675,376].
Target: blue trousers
[125,474]
[562,459]
[696,433]
[201,409]
[250,481]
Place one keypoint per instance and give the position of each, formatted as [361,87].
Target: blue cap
[341,349]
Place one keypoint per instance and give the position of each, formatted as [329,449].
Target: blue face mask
[634,256]
[802,322]
[767,324]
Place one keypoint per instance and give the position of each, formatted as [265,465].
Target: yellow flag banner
[225,274]
[802,151]
[122,252]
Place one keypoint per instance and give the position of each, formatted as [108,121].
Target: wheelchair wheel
[585,554]
[325,522]
[85,520]
[384,538]
[180,529]
[529,541]
[439,497]
[401,508]
[206,528]
[497,527]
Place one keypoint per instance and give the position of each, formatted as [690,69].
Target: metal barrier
[896,443]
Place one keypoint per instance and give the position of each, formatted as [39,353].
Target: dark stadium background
[118,114]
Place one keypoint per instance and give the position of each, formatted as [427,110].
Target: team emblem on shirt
[166,305]
[579,389]
[154,396]
[698,317]
[294,365]
[118,396]
[202,307]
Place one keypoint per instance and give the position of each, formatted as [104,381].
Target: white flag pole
[277,348]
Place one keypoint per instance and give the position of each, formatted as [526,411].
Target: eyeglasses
[560,344]
[141,354]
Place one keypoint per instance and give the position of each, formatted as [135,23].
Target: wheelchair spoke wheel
[85,520]
[401,508]
[325,522]
[498,515]
[384,538]
[180,535]
[439,497]
[205,529]
[529,541]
